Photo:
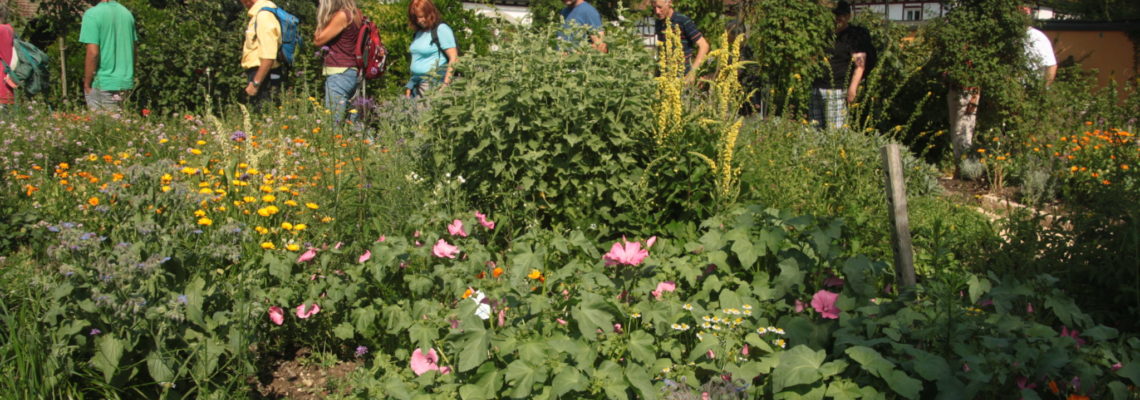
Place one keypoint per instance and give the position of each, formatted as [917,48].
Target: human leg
[339,89]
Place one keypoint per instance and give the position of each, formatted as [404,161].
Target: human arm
[90,64]
[860,62]
[336,24]
[599,41]
[1050,74]
[702,51]
[252,87]
[452,56]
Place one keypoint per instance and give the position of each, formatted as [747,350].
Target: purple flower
[238,135]
[95,331]
[361,351]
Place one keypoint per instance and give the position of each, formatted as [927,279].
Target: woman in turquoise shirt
[433,49]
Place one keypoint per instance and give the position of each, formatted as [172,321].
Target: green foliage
[787,40]
[561,144]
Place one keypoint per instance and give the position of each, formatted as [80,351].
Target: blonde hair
[328,8]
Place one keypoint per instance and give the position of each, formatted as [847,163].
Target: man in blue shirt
[579,14]
[691,37]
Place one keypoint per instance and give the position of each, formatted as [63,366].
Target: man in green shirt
[109,69]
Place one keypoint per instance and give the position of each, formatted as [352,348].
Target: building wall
[1111,53]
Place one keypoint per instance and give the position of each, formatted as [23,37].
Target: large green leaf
[422,335]
[1131,371]
[641,346]
[568,379]
[474,344]
[277,268]
[799,365]
[158,369]
[745,251]
[344,331]
[522,376]
[108,352]
[978,287]
[877,365]
[637,376]
[592,314]
[843,390]
[489,380]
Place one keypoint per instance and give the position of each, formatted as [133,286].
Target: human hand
[250,89]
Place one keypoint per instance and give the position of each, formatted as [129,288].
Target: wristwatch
[255,83]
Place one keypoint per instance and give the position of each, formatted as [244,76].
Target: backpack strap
[435,40]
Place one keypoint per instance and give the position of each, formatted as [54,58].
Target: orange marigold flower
[93,201]
[497,272]
[1053,387]
[467,293]
[1124,167]
[1106,182]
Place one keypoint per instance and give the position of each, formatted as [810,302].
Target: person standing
[692,41]
[579,14]
[259,52]
[108,30]
[7,38]
[1039,52]
[338,25]
[847,60]
[432,50]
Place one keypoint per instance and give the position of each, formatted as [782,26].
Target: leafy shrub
[556,145]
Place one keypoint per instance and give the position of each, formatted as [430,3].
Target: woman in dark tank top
[338,24]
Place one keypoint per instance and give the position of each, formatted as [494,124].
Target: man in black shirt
[847,61]
[691,38]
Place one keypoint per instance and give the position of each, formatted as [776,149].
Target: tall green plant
[787,39]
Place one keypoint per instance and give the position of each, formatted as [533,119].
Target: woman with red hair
[433,49]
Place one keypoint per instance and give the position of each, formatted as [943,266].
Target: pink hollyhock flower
[1029,308]
[630,253]
[824,302]
[617,328]
[705,396]
[444,250]
[382,238]
[422,363]
[1117,366]
[364,257]
[277,315]
[307,255]
[456,229]
[304,312]
[560,321]
[744,350]
[490,225]
[1075,334]
[800,306]
[444,370]
[667,286]
[337,246]
[711,354]
[502,317]
[649,243]
[416,234]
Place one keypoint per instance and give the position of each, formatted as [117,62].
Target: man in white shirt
[1039,51]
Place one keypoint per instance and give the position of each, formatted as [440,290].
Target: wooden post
[62,71]
[900,222]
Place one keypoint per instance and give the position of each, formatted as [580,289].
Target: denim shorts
[339,90]
[105,100]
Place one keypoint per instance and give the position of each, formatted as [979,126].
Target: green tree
[786,39]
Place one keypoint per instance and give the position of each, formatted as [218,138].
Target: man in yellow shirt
[259,51]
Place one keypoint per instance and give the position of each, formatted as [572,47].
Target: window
[912,13]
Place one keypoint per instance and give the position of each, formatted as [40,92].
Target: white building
[918,11]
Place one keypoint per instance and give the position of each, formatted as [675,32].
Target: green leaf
[158,369]
[1131,371]
[396,318]
[522,376]
[194,300]
[798,366]
[593,313]
[871,360]
[641,346]
[344,331]
[903,384]
[108,352]
[978,287]
[486,386]
[745,251]
[832,368]
[843,390]
[422,335]
[277,268]
[790,275]
[639,379]
[475,344]
[568,380]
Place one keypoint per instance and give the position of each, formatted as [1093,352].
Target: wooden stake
[895,185]
[62,71]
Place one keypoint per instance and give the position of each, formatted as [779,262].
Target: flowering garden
[578,233]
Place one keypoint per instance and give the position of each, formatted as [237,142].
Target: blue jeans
[339,89]
[105,100]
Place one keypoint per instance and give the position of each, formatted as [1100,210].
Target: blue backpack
[290,34]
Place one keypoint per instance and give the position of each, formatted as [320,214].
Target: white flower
[483,311]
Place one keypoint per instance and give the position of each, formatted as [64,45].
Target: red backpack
[371,55]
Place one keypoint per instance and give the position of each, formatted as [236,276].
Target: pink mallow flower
[277,315]
[824,302]
[304,312]
[364,257]
[422,363]
[456,229]
[307,255]
[444,250]
[1075,334]
[667,286]
[630,253]
[490,225]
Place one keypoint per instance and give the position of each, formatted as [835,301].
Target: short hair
[426,9]
[842,8]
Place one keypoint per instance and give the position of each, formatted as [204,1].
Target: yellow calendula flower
[269,198]
[268,245]
[291,203]
[312,206]
[252,171]
[264,212]
[206,191]
[534,274]
[272,209]
[292,247]
[195,152]
[300,227]
[266,188]
[327,219]
[205,221]
[189,170]
[286,226]
[261,229]
[94,201]
[201,142]
[163,140]
[243,165]
[249,199]
[467,293]
[199,213]
[166,188]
